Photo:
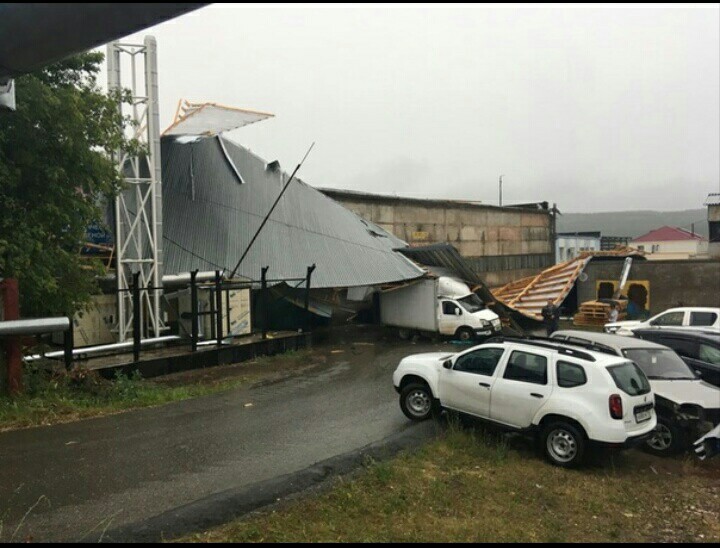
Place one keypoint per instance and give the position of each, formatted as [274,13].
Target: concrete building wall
[504,243]
[692,283]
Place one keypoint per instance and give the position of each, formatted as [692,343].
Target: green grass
[472,487]
[67,396]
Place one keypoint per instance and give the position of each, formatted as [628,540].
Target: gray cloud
[594,109]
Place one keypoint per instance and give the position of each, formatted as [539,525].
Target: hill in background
[632,223]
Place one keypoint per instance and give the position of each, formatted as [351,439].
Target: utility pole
[501,176]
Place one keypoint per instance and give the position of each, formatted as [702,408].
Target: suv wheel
[465,334]
[416,401]
[668,439]
[563,444]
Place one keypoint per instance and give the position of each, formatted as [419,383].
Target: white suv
[691,318]
[566,395]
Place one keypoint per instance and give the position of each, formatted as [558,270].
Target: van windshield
[471,303]
[660,363]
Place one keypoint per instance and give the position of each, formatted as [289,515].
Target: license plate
[643,416]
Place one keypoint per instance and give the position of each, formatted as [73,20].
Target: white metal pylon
[138,209]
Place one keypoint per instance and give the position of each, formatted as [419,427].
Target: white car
[686,406]
[694,318]
[568,396]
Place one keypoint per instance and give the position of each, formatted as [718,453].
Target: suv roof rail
[591,345]
[547,343]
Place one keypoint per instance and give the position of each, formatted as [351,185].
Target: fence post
[218,308]
[69,344]
[266,301]
[310,270]
[194,310]
[137,319]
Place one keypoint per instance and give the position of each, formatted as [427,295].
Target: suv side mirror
[447,364]
[458,312]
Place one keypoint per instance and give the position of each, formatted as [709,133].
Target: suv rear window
[570,375]
[630,379]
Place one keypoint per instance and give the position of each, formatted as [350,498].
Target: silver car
[686,406]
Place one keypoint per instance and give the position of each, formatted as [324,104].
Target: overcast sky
[594,109]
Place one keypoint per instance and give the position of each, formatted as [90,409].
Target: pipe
[184,278]
[34,326]
[104,348]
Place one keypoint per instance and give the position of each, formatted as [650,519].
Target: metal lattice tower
[138,209]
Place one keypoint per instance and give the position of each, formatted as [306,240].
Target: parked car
[686,406]
[699,349]
[690,318]
[441,305]
[709,445]
[566,396]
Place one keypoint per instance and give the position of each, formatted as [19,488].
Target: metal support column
[218,308]
[68,345]
[13,351]
[310,270]
[137,317]
[266,301]
[194,310]
[138,209]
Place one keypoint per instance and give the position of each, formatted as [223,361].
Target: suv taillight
[616,410]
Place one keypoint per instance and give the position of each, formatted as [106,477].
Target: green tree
[54,171]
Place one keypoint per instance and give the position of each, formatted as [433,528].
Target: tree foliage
[55,170]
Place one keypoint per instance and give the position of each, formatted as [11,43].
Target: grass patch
[67,396]
[473,487]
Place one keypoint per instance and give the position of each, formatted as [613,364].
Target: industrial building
[501,243]
[569,245]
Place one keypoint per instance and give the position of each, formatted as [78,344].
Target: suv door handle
[486,385]
[536,395]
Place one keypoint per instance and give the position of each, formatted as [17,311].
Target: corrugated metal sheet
[713,199]
[210,217]
[446,256]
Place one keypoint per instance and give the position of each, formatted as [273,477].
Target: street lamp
[501,176]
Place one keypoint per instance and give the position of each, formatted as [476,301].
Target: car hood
[627,323]
[697,392]
[428,358]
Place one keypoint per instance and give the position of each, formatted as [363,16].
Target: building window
[641,248]
[655,248]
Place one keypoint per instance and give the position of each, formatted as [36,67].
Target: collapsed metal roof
[211,119]
[446,256]
[529,295]
[216,194]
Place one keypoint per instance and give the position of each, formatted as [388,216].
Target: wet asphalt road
[74,481]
